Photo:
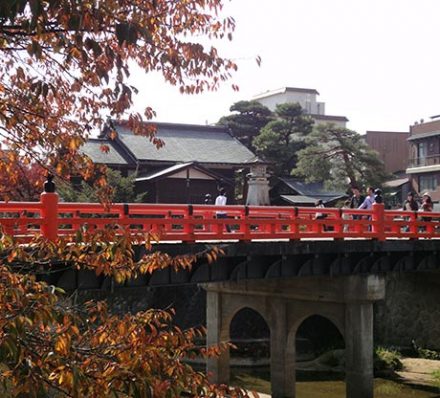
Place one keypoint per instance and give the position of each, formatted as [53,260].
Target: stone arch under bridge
[323,316]
[346,301]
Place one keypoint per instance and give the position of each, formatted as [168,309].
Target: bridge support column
[217,368]
[360,294]
[359,350]
[282,363]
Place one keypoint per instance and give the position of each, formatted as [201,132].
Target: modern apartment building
[424,156]
[306,97]
[392,147]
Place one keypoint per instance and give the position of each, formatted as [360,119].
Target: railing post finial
[49,185]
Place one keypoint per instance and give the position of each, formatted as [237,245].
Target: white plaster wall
[337,123]
[193,174]
[306,100]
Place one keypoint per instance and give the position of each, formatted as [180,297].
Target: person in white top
[369,200]
[368,204]
[221,200]
[319,204]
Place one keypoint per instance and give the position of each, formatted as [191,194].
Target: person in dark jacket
[356,200]
[410,203]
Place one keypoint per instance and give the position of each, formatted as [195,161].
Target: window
[308,105]
[421,150]
[427,183]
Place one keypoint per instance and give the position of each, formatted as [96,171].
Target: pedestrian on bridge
[410,203]
[367,204]
[221,200]
[320,216]
[378,198]
[356,200]
[427,206]
[208,199]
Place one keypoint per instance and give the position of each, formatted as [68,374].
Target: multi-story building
[306,97]
[392,147]
[424,158]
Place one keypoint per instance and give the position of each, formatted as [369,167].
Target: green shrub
[436,377]
[386,359]
[425,353]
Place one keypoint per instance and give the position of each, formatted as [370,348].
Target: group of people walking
[358,201]
[411,203]
[365,202]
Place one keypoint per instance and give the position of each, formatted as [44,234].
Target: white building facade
[306,98]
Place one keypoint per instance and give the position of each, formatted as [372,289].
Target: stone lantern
[258,186]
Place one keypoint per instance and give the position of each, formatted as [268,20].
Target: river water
[258,380]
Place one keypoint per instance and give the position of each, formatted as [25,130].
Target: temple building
[195,160]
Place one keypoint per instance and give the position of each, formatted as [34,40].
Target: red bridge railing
[189,223]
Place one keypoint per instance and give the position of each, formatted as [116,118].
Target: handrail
[189,223]
[424,161]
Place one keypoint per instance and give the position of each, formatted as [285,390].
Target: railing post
[188,226]
[294,227]
[124,216]
[413,228]
[339,228]
[49,210]
[378,218]
[245,224]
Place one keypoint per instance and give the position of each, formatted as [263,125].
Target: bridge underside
[286,282]
[274,260]
[284,304]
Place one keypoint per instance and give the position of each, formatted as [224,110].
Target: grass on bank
[328,388]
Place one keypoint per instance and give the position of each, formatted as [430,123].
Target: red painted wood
[199,223]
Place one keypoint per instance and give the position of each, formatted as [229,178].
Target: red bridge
[190,223]
[285,281]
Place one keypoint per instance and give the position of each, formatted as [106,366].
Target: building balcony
[424,165]
[425,161]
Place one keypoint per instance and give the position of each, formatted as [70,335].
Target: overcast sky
[374,61]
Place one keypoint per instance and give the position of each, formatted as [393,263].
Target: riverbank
[419,372]
[415,380]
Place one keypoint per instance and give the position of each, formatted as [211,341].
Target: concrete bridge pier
[217,333]
[284,304]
